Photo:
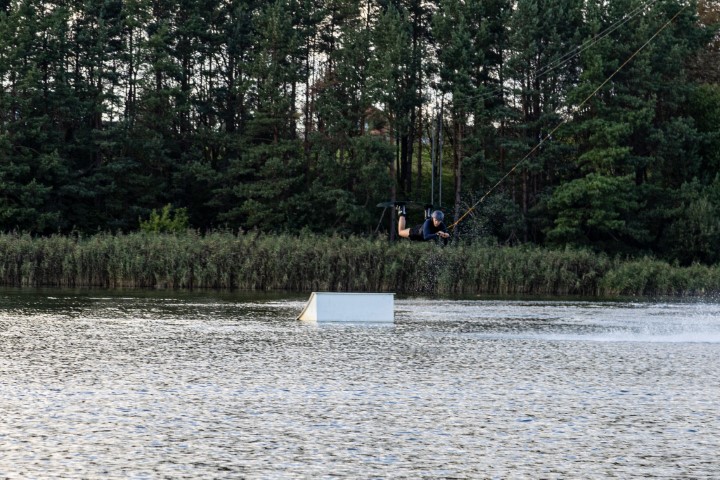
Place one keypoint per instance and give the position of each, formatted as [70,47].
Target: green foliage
[168,220]
[648,276]
[596,210]
[290,115]
[704,108]
[496,219]
[693,227]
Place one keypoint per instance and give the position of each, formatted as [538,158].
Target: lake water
[171,385]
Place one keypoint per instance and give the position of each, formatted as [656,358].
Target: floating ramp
[349,307]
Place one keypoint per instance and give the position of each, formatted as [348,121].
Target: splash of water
[680,322]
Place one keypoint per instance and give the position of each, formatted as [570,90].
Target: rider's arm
[428,233]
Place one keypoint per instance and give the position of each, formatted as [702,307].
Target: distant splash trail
[686,337]
[679,322]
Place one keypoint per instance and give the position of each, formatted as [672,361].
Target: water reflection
[149,385]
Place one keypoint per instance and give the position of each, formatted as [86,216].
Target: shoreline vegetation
[308,262]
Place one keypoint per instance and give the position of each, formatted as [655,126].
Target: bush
[169,220]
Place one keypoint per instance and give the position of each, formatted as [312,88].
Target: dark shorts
[416,234]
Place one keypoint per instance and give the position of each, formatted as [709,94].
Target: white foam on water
[668,322]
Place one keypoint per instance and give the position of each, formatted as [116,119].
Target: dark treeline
[303,114]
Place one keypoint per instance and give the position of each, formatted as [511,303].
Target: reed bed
[253,261]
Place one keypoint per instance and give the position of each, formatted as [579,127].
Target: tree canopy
[593,124]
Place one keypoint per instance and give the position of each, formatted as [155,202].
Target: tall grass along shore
[223,260]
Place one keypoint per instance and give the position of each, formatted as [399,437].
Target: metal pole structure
[440,148]
[432,162]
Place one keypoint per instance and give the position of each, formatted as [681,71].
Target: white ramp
[349,307]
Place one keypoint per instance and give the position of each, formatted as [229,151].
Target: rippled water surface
[167,385]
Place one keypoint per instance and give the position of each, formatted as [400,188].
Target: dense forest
[547,122]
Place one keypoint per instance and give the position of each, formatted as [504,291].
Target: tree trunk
[457,163]
[418,185]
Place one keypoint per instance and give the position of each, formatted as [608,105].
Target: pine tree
[351,161]
[471,47]
[266,174]
[36,117]
[395,71]
[632,135]
[542,68]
